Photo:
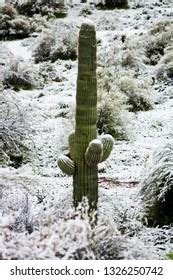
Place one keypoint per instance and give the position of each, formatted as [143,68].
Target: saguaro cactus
[85,150]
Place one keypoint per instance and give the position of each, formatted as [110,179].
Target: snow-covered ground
[45,194]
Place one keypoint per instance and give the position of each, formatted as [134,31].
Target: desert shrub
[65,46]
[48,72]
[167,58]
[14,130]
[109,56]
[128,58]
[7,9]
[5,57]
[43,7]
[136,95]
[111,245]
[105,23]
[110,117]
[134,92]
[129,54]
[69,238]
[21,26]
[112,4]
[160,27]
[40,23]
[157,189]
[110,108]
[43,46]
[59,43]
[158,39]
[18,76]
[165,71]
[170,256]
[135,4]
[86,10]
[165,66]
[133,52]
[169,70]
[14,26]
[133,59]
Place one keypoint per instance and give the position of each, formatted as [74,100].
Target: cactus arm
[107,141]
[94,153]
[66,165]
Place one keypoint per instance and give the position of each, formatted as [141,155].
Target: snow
[18,50]
[48,193]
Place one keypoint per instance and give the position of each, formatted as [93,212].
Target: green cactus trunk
[85,150]
[85,179]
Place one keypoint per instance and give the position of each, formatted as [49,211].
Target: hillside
[135,84]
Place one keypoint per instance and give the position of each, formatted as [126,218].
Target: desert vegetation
[86,150]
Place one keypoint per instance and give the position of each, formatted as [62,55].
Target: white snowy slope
[36,196]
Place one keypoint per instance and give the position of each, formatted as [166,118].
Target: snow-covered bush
[136,94]
[86,10]
[110,117]
[159,37]
[72,237]
[111,4]
[43,46]
[8,10]
[165,65]
[47,73]
[59,43]
[18,76]
[137,4]
[132,56]
[14,26]
[128,58]
[133,52]
[111,245]
[5,58]
[132,92]
[169,70]
[110,55]
[68,239]
[110,108]
[43,7]
[65,46]
[160,26]
[157,189]
[40,23]
[20,25]
[14,129]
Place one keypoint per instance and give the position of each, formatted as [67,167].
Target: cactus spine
[85,150]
